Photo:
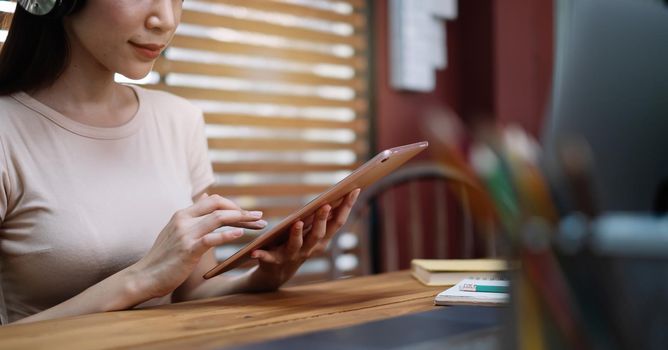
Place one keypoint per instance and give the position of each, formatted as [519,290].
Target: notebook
[456,296]
[447,272]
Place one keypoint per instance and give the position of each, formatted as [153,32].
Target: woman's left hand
[278,265]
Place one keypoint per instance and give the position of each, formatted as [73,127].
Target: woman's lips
[150,51]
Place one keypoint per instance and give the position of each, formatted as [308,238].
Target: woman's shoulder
[10,109]
[8,104]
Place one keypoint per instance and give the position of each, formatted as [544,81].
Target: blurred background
[547,121]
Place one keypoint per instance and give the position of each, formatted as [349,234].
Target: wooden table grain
[232,320]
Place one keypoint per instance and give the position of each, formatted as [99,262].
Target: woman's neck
[87,93]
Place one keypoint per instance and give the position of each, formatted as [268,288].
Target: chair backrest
[423,210]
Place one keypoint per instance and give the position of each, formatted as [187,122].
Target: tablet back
[382,164]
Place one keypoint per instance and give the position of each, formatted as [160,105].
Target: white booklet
[456,296]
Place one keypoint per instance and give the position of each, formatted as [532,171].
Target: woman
[91,172]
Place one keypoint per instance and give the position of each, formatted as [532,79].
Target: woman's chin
[136,74]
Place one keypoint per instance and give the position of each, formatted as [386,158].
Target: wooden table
[232,320]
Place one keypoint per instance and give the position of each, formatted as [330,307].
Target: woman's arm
[174,255]
[119,291]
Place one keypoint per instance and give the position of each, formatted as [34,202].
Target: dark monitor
[611,87]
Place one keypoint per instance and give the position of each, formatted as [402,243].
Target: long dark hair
[35,53]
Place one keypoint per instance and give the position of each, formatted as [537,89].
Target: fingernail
[262,223]
[237,233]
[255,214]
[255,255]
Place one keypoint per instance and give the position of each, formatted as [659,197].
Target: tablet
[382,164]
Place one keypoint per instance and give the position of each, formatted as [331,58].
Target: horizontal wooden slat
[280,167]
[355,19]
[284,145]
[269,190]
[359,104]
[357,62]
[357,125]
[357,4]
[164,66]
[209,19]
[6,20]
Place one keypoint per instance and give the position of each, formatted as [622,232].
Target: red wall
[523,58]
[398,113]
[499,67]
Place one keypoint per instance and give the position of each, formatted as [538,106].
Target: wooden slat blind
[283,84]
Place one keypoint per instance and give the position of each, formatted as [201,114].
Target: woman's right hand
[184,240]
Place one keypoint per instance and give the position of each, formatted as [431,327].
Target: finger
[252,225]
[201,196]
[295,241]
[220,218]
[267,257]
[342,213]
[341,200]
[317,231]
[215,239]
[337,202]
[308,221]
[209,204]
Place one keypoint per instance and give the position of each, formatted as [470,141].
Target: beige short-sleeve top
[79,203]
